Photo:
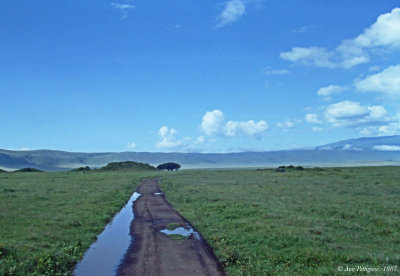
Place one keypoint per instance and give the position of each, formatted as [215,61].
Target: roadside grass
[300,222]
[49,220]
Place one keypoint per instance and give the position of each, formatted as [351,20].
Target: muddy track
[155,253]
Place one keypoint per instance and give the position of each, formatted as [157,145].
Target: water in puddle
[182,231]
[105,254]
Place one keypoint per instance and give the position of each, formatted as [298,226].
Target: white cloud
[389,129]
[213,123]
[313,118]
[386,82]
[345,56]
[232,11]
[352,114]
[277,72]
[350,147]
[249,128]
[329,90]
[167,138]
[311,56]
[286,125]
[384,33]
[131,145]
[123,8]
[386,148]
[348,54]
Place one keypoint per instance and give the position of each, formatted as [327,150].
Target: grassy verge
[263,222]
[48,220]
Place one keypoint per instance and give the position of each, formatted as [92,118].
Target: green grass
[48,220]
[262,222]
[172,226]
[259,222]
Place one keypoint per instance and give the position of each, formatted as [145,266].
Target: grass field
[258,222]
[48,220]
[262,222]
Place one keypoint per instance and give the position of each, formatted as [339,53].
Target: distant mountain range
[353,152]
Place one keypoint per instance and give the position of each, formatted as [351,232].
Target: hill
[355,152]
[366,143]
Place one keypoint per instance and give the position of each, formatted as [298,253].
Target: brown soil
[155,253]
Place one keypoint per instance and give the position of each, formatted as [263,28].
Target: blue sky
[197,76]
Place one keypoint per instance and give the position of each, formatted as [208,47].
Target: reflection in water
[182,231]
[105,254]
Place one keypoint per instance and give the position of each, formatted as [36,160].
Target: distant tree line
[290,167]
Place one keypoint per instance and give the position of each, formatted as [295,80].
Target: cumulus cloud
[392,128]
[249,128]
[232,11]
[213,123]
[384,33]
[353,114]
[368,120]
[386,148]
[330,90]
[123,8]
[387,129]
[167,138]
[313,118]
[386,82]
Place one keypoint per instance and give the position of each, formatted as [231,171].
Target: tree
[169,166]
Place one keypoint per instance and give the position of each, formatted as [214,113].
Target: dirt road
[155,253]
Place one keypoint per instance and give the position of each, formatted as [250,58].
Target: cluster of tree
[290,167]
[127,165]
[170,166]
[28,170]
[81,169]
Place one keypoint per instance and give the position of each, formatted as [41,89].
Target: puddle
[182,231]
[105,254]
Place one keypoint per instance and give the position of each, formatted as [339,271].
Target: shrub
[169,166]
